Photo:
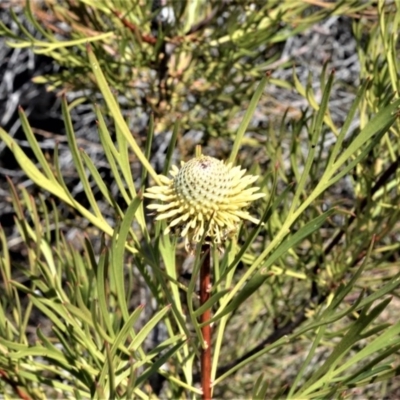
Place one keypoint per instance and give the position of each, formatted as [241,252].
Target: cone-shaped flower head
[204,194]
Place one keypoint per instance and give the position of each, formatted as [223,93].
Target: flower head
[204,194]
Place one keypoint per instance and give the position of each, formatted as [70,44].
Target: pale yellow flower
[204,193]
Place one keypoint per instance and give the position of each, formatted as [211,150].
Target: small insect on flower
[204,194]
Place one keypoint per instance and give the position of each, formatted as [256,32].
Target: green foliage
[202,68]
[316,281]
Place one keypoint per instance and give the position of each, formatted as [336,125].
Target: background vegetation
[96,302]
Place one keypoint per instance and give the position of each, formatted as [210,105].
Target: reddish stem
[20,392]
[205,288]
[132,27]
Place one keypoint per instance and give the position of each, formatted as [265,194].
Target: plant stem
[18,390]
[205,286]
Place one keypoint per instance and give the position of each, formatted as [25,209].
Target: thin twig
[135,29]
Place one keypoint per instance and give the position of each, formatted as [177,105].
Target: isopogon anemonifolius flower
[204,194]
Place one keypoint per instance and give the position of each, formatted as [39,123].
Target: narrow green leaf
[382,121]
[210,302]
[372,368]
[126,330]
[316,132]
[112,154]
[347,123]
[263,274]
[124,163]
[247,118]
[116,113]
[352,336]
[12,345]
[50,314]
[97,178]
[390,337]
[171,147]
[260,388]
[53,187]
[41,352]
[111,374]
[118,252]
[145,331]
[155,367]
[34,146]
[120,340]
[101,291]
[167,252]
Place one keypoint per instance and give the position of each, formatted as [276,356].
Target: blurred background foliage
[198,62]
